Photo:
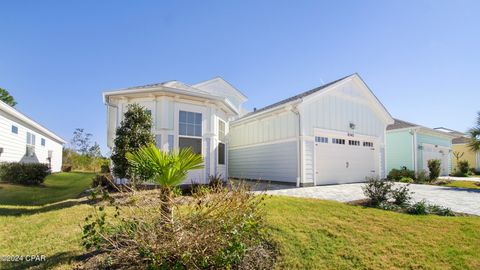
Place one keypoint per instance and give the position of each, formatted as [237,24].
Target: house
[328,135]
[411,146]
[24,140]
[195,116]
[460,146]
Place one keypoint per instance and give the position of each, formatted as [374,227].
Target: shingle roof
[398,124]
[301,95]
[461,140]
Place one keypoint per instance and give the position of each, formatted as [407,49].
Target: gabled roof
[450,131]
[399,124]
[299,96]
[27,120]
[204,85]
[461,140]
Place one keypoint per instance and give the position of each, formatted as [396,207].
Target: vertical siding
[277,162]
[431,139]
[399,150]
[335,110]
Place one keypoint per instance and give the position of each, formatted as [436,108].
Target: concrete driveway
[459,200]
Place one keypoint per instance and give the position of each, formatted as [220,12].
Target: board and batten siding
[423,138]
[14,145]
[399,151]
[265,148]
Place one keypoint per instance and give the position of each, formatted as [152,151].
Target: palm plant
[165,169]
[475,136]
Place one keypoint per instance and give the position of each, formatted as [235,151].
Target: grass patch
[311,234]
[462,184]
[57,187]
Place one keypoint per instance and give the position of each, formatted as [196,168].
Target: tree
[94,151]
[81,141]
[133,133]
[165,169]
[7,98]
[475,136]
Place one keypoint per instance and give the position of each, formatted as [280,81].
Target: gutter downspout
[299,152]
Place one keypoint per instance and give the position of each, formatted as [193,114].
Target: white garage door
[344,159]
[431,151]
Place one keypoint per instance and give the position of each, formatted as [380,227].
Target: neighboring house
[195,116]
[460,145]
[24,140]
[328,135]
[411,146]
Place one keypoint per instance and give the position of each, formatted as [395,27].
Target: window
[30,151]
[321,139]
[221,143]
[368,144]
[221,153]
[42,141]
[30,138]
[353,142]
[14,129]
[190,124]
[193,143]
[338,141]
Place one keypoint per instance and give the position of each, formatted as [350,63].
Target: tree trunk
[166,207]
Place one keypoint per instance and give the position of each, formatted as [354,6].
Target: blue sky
[421,58]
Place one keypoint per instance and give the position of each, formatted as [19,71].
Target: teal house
[411,146]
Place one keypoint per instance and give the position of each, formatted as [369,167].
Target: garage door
[431,151]
[343,159]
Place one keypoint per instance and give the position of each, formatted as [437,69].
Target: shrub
[24,173]
[396,174]
[434,168]
[463,168]
[377,190]
[215,181]
[422,177]
[214,231]
[66,168]
[401,195]
[104,168]
[407,180]
[105,181]
[440,211]
[418,208]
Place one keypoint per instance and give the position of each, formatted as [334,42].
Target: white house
[328,135]
[184,115]
[24,140]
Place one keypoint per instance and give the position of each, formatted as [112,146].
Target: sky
[420,58]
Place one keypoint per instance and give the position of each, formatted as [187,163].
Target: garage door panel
[343,163]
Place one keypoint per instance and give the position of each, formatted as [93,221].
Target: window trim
[43,142]
[14,128]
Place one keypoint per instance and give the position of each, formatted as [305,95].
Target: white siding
[308,162]
[276,161]
[14,145]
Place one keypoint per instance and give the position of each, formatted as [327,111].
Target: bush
[434,168]
[401,195]
[440,211]
[215,181]
[422,177]
[104,168]
[418,208]
[24,173]
[463,168]
[407,180]
[105,181]
[396,174]
[66,168]
[377,190]
[214,231]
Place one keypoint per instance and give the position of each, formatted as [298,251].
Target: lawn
[311,234]
[56,188]
[462,184]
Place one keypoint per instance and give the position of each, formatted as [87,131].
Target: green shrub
[434,168]
[104,168]
[105,181]
[215,181]
[422,177]
[440,211]
[397,174]
[401,195]
[407,180]
[24,173]
[377,190]
[418,208]
[463,168]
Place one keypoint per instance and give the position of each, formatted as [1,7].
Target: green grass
[462,184]
[311,234]
[56,188]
